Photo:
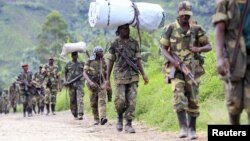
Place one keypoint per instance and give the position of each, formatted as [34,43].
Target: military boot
[47,108]
[128,126]
[53,109]
[14,110]
[42,109]
[192,127]
[119,124]
[182,123]
[234,119]
[39,109]
[24,111]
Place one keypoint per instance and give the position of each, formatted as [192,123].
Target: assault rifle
[73,80]
[128,62]
[183,68]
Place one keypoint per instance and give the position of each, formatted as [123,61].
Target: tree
[54,35]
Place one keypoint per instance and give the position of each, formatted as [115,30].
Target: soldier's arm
[203,42]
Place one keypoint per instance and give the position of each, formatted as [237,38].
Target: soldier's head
[74,55]
[184,11]
[51,60]
[123,31]
[25,67]
[97,53]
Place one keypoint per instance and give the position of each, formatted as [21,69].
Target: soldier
[24,80]
[51,81]
[94,72]
[181,45]
[125,53]
[75,80]
[233,54]
[38,98]
[14,95]
[6,101]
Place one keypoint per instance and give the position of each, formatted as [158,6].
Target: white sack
[113,13]
[151,16]
[73,47]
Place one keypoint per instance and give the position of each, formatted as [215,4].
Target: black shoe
[80,118]
[103,121]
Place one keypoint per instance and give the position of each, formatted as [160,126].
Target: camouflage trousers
[26,100]
[13,102]
[4,105]
[125,99]
[238,94]
[50,95]
[186,96]
[98,103]
[76,95]
[38,100]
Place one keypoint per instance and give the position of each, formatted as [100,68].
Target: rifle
[183,68]
[73,80]
[128,61]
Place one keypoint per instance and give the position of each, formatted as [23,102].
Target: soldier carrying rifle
[182,44]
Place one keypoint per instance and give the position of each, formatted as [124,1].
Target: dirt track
[62,127]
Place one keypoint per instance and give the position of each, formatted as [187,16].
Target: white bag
[73,47]
[113,13]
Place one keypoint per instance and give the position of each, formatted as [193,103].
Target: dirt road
[62,127]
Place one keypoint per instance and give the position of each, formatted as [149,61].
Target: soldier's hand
[93,85]
[177,65]
[145,78]
[195,49]
[222,67]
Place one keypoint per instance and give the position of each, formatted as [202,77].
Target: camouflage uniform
[95,70]
[237,95]
[38,98]
[72,70]
[126,79]
[51,86]
[25,91]
[14,95]
[180,42]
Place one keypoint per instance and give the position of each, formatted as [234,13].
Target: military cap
[51,58]
[25,65]
[185,8]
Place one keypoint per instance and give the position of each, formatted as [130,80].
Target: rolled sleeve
[220,12]
[165,37]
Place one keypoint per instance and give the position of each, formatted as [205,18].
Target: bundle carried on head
[112,13]
[73,47]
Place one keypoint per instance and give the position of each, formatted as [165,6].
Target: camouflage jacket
[24,77]
[96,70]
[72,70]
[180,42]
[38,80]
[51,76]
[123,73]
[228,11]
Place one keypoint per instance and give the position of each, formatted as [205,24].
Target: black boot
[119,124]
[128,126]
[234,119]
[39,109]
[47,108]
[14,109]
[53,108]
[42,109]
[192,127]
[24,111]
[182,118]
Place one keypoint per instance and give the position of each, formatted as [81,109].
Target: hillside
[21,22]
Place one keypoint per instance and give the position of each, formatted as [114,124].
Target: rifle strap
[237,45]
[137,24]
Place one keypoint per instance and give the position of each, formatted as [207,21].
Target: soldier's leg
[180,105]
[73,106]
[25,103]
[131,93]
[53,100]
[120,105]
[33,101]
[47,100]
[234,97]
[192,92]
[42,102]
[29,106]
[102,106]
[94,105]
[80,104]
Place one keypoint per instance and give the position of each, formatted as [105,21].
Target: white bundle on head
[73,47]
